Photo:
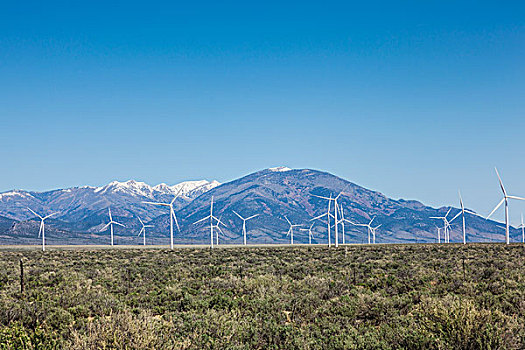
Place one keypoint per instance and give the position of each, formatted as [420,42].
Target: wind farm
[333,207]
[262,175]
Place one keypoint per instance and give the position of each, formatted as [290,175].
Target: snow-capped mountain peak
[137,188]
[280,169]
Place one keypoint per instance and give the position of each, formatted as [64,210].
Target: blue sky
[414,99]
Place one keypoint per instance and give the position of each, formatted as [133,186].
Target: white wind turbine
[310,233]
[505,200]
[172,214]
[212,225]
[334,215]
[143,229]
[439,233]
[446,224]
[328,215]
[244,224]
[342,221]
[219,230]
[41,230]
[371,230]
[110,224]
[290,230]
[522,226]
[462,212]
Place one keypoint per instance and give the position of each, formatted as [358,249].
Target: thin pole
[336,224]
[507,229]
[111,229]
[21,277]
[464,230]
[328,220]
[171,226]
[43,237]
[211,222]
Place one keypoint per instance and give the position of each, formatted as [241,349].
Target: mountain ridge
[274,193]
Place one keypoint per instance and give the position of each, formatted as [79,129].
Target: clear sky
[414,99]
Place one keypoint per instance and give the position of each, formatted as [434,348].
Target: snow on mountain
[280,169]
[78,203]
[11,195]
[187,189]
[131,187]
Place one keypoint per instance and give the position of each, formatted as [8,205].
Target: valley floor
[303,297]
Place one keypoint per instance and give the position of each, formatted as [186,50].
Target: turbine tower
[439,233]
[143,230]
[463,211]
[505,200]
[522,226]
[110,224]
[212,225]
[172,214]
[290,230]
[244,224]
[342,221]
[41,230]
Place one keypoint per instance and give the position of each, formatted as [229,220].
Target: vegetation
[355,297]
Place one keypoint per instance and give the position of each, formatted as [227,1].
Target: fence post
[21,277]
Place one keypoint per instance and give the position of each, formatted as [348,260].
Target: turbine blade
[497,207]
[118,223]
[239,215]
[251,217]
[32,211]
[175,218]
[318,217]
[455,217]
[314,195]
[50,215]
[501,183]
[287,220]
[155,203]
[201,220]
[515,197]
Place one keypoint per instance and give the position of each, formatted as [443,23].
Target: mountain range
[275,194]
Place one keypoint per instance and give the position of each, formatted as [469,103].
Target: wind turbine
[244,224]
[172,214]
[439,233]
[110,224]
[522,226]
[218,227]
[212,225]
[342,221]
[505,200]
[462,212]
[41,230]
[143,230]
[290,230]
[328,215]
[446,223]
[310,234]
[371,230]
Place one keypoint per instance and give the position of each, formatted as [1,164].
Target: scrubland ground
[354,297]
